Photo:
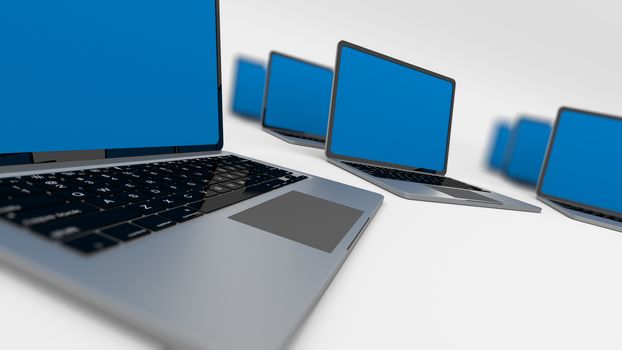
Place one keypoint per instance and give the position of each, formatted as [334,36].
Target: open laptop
[582,170]
[197,247]
[297,100]
[526,150]
[250,80]
[499,145]
[389,124]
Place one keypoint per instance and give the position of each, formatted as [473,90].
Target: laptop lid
[527,149]
[89,80]
[390,113]
[499,145]
[297,96]
[582,166]
[250,80]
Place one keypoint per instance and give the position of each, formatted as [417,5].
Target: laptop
[499,145]
[129,203]
[389,124]
[582,169]
[250,80]
[297,100]
[526,150]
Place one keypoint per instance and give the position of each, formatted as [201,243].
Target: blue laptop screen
[390,113]
[499,146]
[298,96]
[249,86]
[527,151]
[584,161]
[87,75]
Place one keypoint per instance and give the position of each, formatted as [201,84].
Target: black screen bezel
[264,108]
[332,155]
[548,153]
[159,150]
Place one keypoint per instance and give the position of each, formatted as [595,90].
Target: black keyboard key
[156,192]
[75,194]
[224,200]
[217,179]
[230,176]
[50,213]
[126,232]
[189,197]
[107,202]
[84,181]
[41,178]
[146,207]
[155,222]
[56,185]
[64,228]
[128,186]
[219,188]
[181,214]
[20,189]
[28,202]
[103,189]
[232,185]
[90,243]
[241,182]
[169,202]
[175,188]
[208,193]
[107,178]
[134,197]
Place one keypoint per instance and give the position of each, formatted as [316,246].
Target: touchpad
[468,195]
[306,219]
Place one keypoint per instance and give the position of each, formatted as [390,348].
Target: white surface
[424,275]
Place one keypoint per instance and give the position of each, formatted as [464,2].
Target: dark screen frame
[264,108]
[160,150]
[331,117]
[548,153]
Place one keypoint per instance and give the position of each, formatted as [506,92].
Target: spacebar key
[224,200]
[64,228]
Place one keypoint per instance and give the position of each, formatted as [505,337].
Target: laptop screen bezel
[264,108]
[121,153]
[540,193]
[344,44]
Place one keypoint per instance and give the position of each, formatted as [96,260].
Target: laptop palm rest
[467,195]
[305,219]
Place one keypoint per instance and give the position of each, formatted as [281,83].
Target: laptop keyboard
[587,211]
[95,209]
[403,175]
[304,137]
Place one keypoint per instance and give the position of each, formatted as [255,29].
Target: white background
[424,275]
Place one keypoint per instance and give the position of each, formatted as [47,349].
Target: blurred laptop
[129,203]
[582,171]
[499,145]
[526,150]
[250,80]
[390,124]
[297,100]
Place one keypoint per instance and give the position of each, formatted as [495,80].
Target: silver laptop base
[584,217]
[428,193]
